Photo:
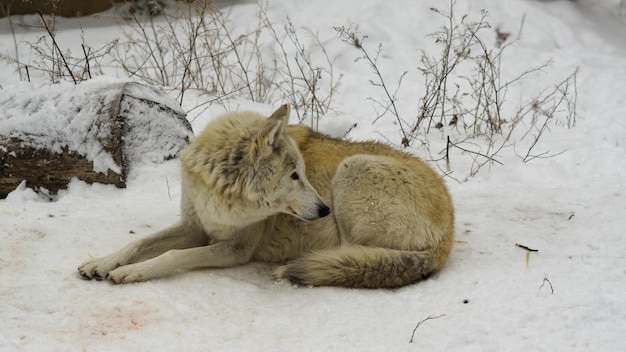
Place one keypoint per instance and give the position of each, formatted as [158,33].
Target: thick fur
[246,196]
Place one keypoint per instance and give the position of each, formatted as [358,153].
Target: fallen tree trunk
[42,168]
[95,131]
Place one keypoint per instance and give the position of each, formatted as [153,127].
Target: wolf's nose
[323,211]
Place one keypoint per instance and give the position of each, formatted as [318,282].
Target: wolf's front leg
[177,236]
[222,254]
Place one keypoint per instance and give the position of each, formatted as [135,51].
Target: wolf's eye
[295,176]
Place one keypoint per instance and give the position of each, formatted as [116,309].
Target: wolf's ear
[277,123]
[270,134]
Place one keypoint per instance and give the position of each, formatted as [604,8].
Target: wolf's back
[364,267]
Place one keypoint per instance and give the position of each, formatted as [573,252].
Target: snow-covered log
[95,131]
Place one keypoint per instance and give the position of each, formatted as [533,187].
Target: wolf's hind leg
[397,204]
[178,236]
[396,224]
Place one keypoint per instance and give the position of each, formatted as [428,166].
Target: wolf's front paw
[98,268]
[136,272]
[125,275]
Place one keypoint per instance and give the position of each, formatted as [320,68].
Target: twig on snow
[527,253]
[526,248]
[545,279]
[423,320]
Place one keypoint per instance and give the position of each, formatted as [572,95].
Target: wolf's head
[251,169]
[280,179]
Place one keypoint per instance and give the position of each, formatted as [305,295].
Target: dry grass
[463,110]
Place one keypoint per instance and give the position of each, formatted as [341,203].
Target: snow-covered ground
[492,296]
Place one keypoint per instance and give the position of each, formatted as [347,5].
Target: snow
[492,295]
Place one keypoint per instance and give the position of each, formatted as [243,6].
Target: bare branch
[56,46]
[423,320]
[545,279]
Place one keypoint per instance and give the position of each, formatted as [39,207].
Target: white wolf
[249,194]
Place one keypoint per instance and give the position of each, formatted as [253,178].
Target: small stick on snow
[545,279]
[423,320]
[168,188]
[526,248]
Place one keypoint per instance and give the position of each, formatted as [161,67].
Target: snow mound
[78,117]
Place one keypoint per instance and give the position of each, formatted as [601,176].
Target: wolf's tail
[361,266]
